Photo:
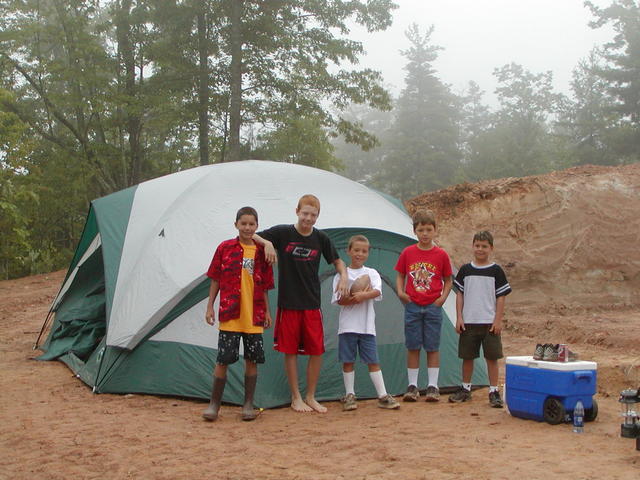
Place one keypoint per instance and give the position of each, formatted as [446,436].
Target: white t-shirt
[361,317]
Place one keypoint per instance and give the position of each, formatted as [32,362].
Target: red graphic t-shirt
[424,271]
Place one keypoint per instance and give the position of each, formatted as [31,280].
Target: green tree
[363,165]
[14,232]
[112,93]
[423,147]
[476,121]
[587,121]
[519,141]
[303,140]
[293,58]
[39,219]
[53,55]
[621,72]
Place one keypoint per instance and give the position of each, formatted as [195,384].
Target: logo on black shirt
[300,252]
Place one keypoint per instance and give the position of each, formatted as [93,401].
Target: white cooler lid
[528,361]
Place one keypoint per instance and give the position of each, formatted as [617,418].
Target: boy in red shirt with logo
[423,283]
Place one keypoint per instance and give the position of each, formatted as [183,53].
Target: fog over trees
[96,96]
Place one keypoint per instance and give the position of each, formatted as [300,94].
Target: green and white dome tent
[129,317]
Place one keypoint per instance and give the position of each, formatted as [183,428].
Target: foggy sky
[481,35]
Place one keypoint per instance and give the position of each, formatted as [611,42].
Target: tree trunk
[235,104]
[203,85]
[133,109]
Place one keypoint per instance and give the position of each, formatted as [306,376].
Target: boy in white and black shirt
[481,287]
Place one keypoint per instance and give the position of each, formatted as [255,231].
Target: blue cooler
[549,391]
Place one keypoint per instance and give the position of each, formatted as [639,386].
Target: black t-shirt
[298,265]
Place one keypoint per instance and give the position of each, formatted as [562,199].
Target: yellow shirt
[244,324]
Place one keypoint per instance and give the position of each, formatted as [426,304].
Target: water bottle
[578,418]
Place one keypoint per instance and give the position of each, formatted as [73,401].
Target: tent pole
[44,326]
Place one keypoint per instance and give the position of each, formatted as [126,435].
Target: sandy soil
[569,241]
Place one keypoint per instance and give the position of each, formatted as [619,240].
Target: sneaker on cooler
[538,353]
[550,353]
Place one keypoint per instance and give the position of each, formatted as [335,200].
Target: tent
[129,317]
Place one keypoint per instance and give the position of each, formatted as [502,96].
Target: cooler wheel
[553,411]
[590,414]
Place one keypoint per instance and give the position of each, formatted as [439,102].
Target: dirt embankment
[569,238]
[570,244]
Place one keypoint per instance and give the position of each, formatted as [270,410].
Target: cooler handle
[582,375]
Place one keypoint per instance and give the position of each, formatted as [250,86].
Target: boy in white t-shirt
[357,326]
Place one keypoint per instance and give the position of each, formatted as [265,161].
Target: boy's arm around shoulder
[336,298]
[269,250]
[342,288]
[266,271]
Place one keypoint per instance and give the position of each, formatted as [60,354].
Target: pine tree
[424,141]
[622,74]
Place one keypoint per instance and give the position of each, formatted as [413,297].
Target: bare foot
[299,406]
[313,403]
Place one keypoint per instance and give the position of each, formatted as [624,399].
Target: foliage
[587,123]
[518,141]
[621,75]
[97,96]
[303,141]
[359,164]
[423,144]
[292,56]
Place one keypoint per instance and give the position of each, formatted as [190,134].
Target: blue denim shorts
[422,324]
[351,343]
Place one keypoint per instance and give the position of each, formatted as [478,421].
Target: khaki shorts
[476,335]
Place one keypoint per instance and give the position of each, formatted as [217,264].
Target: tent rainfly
[129,317]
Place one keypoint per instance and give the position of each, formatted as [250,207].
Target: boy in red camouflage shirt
[242,276]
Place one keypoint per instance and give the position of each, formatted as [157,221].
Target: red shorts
[299,332]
